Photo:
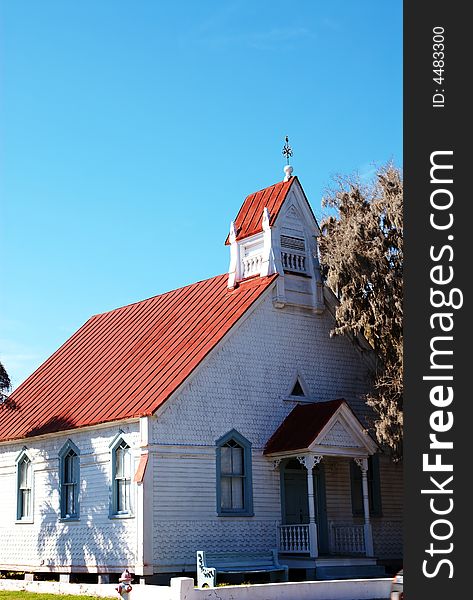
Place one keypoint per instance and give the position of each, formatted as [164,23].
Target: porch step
[349,571]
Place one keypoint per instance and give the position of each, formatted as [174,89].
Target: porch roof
[323,427]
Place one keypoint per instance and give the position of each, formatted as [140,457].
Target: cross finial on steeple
[287,151]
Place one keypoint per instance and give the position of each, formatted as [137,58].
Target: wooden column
[309,461]
[363,464]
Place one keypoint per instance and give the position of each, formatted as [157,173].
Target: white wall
[49,543]
[243,385]
[246,379]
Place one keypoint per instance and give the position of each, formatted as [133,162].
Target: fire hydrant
[124,583]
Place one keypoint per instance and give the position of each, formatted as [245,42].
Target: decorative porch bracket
[309,461]
[363,464]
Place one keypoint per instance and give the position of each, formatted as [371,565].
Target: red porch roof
[301,427]
[125,363]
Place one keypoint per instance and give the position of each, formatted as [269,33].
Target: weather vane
[287,150]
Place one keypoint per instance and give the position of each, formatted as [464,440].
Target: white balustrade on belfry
[252,265]
[294,262]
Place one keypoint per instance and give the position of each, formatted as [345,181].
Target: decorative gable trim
[296,206]
[292,213]
[344,435]
[310,429]
[340,435]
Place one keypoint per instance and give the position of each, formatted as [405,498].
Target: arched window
[121,479]
[69,475]
[234,485]
[24,504]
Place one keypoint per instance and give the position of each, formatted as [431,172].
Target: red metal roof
[125,363]
[250,215]
[302,425]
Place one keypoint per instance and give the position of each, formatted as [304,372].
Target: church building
[221,416]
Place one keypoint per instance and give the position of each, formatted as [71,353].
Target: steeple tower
[275,231]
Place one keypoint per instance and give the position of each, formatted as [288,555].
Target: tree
[5,384]
[361,250]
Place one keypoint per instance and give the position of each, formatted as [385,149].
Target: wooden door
[295,497]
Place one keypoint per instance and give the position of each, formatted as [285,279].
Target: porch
[309,536]
[346,553]
[346,540]
[307,529]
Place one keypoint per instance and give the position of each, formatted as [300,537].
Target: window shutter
[356,489]
[374,487]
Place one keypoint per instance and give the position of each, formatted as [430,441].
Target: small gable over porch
[323,428]
[308,435]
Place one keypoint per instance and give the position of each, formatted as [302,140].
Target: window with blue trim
[69,465]
[234,484]
[121,478]
[24,488]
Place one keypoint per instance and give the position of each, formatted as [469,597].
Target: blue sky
[131,132]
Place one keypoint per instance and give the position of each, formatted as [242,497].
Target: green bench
[209,564]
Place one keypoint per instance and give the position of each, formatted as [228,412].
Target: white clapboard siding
[186,513]
[185,486]
[391,476]
[266,488]
[338,489]
[95,541]
[245,382]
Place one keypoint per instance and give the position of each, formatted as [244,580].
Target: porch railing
[346,538]
[294,539]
